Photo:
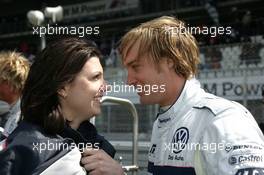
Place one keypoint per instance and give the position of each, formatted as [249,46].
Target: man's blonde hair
[14,69]
[165,37]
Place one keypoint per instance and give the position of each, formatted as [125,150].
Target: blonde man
[195,132]
[13,73]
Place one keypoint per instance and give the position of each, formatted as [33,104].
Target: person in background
[13,73]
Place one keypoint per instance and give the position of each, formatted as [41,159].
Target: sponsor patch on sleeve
[245,155]
[246,159]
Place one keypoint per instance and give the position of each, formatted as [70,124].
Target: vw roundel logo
[180,139]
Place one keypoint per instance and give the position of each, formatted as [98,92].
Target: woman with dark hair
[63,91]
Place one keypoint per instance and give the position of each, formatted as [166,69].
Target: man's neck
[174,92]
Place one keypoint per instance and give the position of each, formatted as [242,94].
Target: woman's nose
[104,87]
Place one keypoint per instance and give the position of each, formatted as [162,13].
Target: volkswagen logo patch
[180,139]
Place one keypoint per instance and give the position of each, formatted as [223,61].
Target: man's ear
[170,63]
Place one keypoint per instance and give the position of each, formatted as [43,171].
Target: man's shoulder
[218,105]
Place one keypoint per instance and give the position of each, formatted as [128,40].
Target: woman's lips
[98,98]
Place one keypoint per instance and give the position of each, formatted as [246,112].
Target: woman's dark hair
[57,65]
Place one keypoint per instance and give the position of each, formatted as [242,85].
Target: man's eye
[135,66]
[97,77]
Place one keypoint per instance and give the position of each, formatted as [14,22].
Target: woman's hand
[98,162]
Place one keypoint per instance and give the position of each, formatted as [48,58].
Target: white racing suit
[205,135]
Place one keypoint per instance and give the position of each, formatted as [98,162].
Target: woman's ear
[62,92]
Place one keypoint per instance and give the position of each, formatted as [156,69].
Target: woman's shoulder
[28,147]
[30,135]
[21,159]
[13,160]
